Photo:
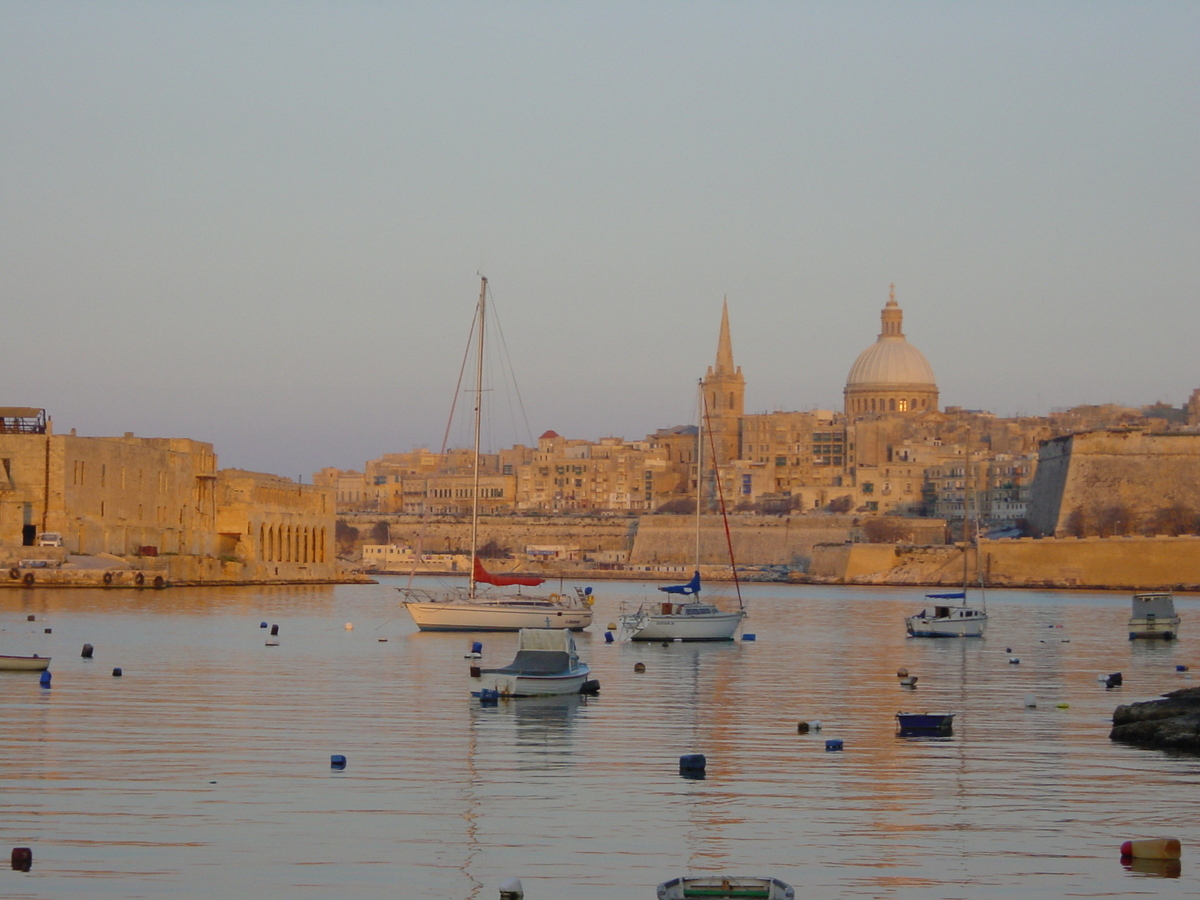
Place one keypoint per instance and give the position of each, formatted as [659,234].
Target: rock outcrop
[1169,723]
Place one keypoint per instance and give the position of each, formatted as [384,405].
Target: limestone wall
[757,541]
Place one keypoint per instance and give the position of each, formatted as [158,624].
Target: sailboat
[950,614]
[685,617]
[478,607]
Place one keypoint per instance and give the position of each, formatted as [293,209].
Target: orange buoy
[1152,848]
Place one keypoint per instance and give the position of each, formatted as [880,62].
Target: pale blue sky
[259,224]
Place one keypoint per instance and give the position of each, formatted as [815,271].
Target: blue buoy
[337,761]
[262,624]
[587,590]
[488,697]
[477,647]
[46,678]
[833,745]
[608,637]
[692,764]
[117,672]
[1181,668]
[749,637]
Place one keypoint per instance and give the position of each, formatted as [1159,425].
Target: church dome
[891,375]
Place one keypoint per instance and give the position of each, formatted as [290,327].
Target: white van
[49,539]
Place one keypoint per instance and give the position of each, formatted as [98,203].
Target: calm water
[204,770]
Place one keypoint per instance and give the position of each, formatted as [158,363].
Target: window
[746,484]
[868,487]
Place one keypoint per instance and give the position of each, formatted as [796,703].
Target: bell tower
[724,398]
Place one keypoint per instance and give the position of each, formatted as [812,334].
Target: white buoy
[1030,700]
[349,626]
[512,890]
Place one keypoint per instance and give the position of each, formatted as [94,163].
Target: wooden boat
[725,886]
[482,609]
[689,619]
[916,724]
[1153,617]
[547,662]
[33,663]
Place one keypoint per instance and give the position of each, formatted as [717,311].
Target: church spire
[725,393]
[724,364]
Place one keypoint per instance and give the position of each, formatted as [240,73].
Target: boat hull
[1154,628]
[510,685]
[452,616]
[719,626]
[917,724]
[24,663]
[962,622]
[723,886]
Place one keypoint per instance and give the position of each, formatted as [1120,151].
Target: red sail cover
[482,574]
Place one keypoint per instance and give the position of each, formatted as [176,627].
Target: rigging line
[721,498]
[508,366]
[441,465]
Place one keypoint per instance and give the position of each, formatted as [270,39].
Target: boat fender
[87,651]
[159,581]
[1152,848]
[22,859]
[14,573]
[28,579]
[139,579]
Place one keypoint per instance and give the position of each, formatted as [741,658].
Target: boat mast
[478,415]
[699,467]
[966,506]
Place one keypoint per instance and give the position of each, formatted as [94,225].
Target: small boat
[914,724]
[689,619]
[725,886]
[1154,617]
[547,662]
[33,663]
[480,609]
[947,619]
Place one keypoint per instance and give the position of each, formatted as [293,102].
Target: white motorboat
[476,609]
[33,663]
[725,887]
[689,619]
[1154,617]
[946,618]
[547,662]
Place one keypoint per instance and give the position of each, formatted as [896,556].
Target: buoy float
[902,673]
[1013,660]
[274,630]
[87,651]
[45,680]
[639,667]
[22,859]
[1030,701]
[608,637]
[1063,705]
[349,626]
[1181,668]
[815,725]
[272,643]
[512,890]
[909,681]
[612,626]
[262,624]
[692,764]
[749,637]
[117,672]
[48,631]
[31,618]
[337,761]
[833,744]
[802,728]
[1152,848]
[1113,680]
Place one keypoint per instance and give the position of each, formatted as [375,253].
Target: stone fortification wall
[1114,482]
[440,534]
[1124,563]
[757,541]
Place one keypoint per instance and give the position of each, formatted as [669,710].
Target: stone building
[890,376]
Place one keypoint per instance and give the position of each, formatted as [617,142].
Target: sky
[262,224]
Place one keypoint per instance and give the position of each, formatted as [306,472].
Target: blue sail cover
[692,587]
[955,595]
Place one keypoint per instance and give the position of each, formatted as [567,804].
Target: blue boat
[925,723]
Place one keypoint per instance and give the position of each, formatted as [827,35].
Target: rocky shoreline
[1171,722]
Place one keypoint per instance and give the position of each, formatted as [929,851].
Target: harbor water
[204,769]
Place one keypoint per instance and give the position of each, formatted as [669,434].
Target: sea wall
[1125,563]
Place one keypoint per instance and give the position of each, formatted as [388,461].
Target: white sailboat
[478,606]
[949,614]
[689,619]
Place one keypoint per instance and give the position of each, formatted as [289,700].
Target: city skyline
[260,226]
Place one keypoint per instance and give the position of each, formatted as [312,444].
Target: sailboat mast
[478,419]
[966,505]
[699,468]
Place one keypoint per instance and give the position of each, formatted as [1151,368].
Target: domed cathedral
[724,399]
[891,376]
